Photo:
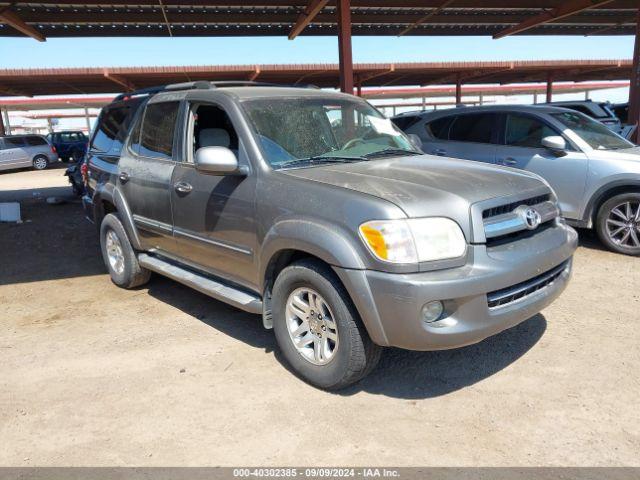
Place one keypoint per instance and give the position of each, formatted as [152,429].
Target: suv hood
[632,154]
[425,185]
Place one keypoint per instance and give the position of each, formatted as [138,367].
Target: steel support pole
[88,119]
[7,122]
[535,98]
[458,91]
[344,46]
[634,88]
[549,88]
[2,131]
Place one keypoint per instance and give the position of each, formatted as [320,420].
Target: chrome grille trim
[512,222]
[506,296]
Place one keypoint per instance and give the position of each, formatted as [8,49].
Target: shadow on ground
[53,242]
[401,373]
[57,242]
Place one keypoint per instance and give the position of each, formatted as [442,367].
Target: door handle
[183,187]
[124,177]
[508,161]
[440,152]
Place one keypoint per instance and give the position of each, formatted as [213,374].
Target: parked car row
[594,172]
[313,210]
[39,152]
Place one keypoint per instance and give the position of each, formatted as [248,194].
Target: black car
[69,145]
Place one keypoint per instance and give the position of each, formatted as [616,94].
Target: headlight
[414,240]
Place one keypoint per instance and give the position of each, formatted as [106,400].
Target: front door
[214,223]
[523,149]
[145,172]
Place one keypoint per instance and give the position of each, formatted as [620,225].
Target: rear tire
[311,306]
[618,223]
[40,162]
[119,256]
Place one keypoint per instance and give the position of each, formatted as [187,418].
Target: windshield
[594,133]
[305,131]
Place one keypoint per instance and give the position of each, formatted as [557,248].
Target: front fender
[315,237]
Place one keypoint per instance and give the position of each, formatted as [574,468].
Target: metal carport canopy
[497,18]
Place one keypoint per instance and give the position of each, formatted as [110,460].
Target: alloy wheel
[623,224]
[114,252]
[311,326]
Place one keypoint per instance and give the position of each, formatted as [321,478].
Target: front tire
[618,223]
[40,162]
[119,256]
[318,329]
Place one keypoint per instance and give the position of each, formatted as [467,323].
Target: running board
[224,293]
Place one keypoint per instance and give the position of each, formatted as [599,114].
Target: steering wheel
[352,143]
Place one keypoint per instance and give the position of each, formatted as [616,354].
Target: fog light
[432,311]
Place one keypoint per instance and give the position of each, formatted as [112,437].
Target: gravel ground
[93,375]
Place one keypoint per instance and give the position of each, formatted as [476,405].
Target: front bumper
[390,304]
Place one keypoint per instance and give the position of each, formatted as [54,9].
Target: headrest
[214,137]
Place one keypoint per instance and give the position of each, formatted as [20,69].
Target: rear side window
[112,129]
[403,123]
[36,141]
[14,142]
[524,131]
[158,129]
[439,128]
[476,128]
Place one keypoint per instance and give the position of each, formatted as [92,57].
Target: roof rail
[204,85]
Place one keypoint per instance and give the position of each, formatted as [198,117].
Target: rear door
[144,173]
[522,138]
[471,136]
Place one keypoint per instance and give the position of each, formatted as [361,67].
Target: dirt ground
[93,375]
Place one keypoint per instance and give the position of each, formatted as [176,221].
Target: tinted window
[13,142]
[113,125]
[406,121]
[36,141]
[439,128]
[158,127]
[472,128]
[525,131]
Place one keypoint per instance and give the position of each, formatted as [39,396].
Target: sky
[115,52]
[99,52]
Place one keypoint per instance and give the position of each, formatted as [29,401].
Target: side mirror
[218,161]
[416,141]
[554,142]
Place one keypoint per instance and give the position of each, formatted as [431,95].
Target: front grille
[520,235]
[506,296]
[510,207]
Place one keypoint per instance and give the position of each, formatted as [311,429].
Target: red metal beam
[433,13]
[12,19]
[549,88]
[567,8]
[344,46]
[304,19]
[119,80]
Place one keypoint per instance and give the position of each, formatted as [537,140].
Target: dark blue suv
[69,145]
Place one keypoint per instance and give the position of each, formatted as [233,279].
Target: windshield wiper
[389,152]
[320,159]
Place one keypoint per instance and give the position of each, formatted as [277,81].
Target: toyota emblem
[532,218]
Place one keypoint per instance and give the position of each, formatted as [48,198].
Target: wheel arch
[110,200]
[606,192]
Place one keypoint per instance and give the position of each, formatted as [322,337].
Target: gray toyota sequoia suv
[312,209]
